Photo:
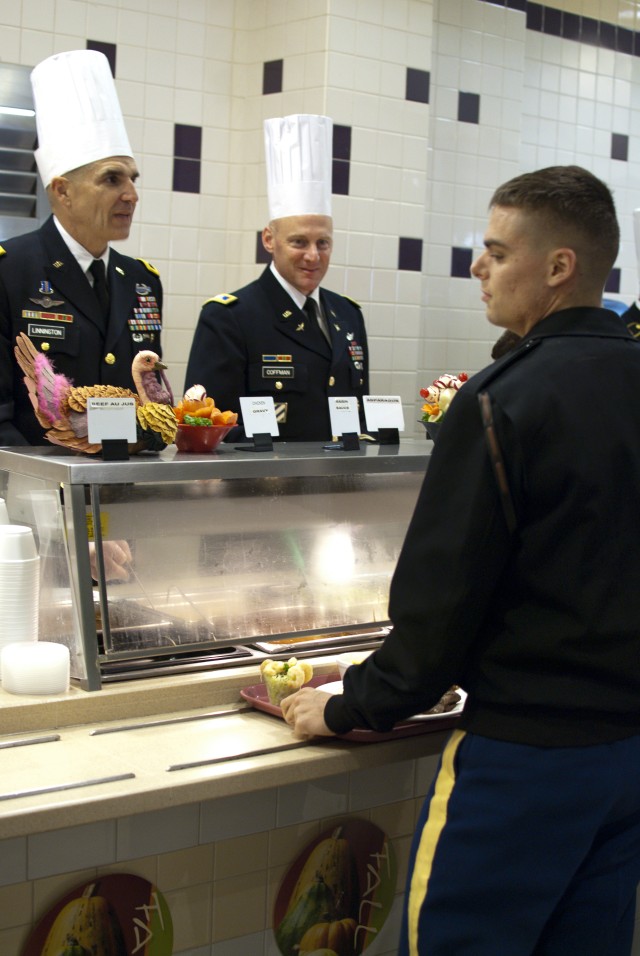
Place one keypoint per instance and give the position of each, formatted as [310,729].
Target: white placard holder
[259,421]
[112,423]
[345,421]
[383,414]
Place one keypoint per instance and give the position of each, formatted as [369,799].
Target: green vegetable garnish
[196,420]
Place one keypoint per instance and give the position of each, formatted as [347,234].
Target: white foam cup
[17,543]
[35,667]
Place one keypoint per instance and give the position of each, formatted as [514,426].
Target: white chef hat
[636,233]
[78,115]
[298,151]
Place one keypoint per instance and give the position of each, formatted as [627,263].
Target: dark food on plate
[447,702]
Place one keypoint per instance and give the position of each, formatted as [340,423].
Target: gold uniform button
[332,382]
[278,385]
[45,346]
[110,358]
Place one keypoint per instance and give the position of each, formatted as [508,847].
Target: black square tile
[589,32]
[186,175]
[262,256]
[552,22]
[613,281]
[571,26]
[340,177]
[272,76]
[461,260]
[517,5]
[608,35]
[341,148]
[620,146]
[468,107]
[534,16]
[109,50]
[624,40]
[410,254]
[417,85]
[187,141]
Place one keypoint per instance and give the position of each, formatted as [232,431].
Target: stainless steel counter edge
[288,459]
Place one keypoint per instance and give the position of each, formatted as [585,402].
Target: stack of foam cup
[19,584]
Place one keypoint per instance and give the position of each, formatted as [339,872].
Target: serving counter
[164,770]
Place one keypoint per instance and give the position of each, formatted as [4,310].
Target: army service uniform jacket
[258,342]
[44,293]
[530,602]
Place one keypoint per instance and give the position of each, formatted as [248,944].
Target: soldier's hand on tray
[304,712]
[116,556]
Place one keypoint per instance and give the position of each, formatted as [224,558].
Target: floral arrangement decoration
[438,396]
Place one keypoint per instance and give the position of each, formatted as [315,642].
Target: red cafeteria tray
[256,695]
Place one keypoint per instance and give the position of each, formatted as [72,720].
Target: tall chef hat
[298,151]
[78,115]
[636,233]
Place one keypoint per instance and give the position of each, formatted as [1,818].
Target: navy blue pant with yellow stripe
[526,851]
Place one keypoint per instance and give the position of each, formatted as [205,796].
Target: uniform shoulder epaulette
[353,301]
[3,251]
[224,298]
[150,268]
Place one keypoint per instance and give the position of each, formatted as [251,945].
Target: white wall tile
[13,860]
[236,816]
[71,848]
[370,788]
[159,832]
[308,801]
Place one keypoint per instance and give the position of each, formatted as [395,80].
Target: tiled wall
[436,103]
[219,864]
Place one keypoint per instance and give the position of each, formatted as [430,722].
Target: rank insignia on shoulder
[149,267]
[3,251]
[353,301]
[223,298]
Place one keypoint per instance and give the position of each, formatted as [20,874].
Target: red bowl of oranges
[201,426]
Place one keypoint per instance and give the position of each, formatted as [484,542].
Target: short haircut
[574,207]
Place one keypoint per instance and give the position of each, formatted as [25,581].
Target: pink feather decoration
[51,387]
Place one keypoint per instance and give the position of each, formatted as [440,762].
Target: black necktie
[316,336]
[100,287]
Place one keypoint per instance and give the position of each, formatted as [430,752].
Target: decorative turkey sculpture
[61,407]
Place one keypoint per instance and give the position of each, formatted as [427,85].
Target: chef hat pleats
[78,115]
[298,152]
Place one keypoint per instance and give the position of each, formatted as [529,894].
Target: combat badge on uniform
[46,301]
